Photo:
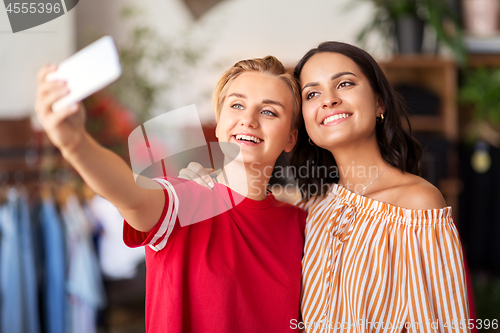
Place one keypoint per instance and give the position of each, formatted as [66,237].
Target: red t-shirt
[239,271]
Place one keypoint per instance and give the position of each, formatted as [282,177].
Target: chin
[240,158]
[339,137]
[331,144]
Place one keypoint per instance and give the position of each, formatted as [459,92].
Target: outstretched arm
[103,171]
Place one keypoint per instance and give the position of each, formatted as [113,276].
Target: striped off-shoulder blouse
[369,266]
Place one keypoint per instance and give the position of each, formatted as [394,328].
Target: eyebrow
[266,101]
[269,101]
[334,77]
[237,95]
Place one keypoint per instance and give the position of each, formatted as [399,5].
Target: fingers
[48,93]
[62,114]
[191,175]
[208,179]
[55,93]
[183,176]
[46,88]
[201,172]
[188,174]
[198,168]
[42,72]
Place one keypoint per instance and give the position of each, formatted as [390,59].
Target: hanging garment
[84,284]
[29,282]
[117,260]
[18,285]
[54,291]
[10,268]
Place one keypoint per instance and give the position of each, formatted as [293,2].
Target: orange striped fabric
[369,266]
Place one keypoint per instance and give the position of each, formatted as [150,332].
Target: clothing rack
[28,153]
[28,158]
[19,177]
[19,165]
[33,167]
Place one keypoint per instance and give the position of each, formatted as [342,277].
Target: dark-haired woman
[381,252]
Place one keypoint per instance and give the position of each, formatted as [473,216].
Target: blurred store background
[443,56]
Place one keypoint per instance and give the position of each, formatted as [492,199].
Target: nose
[249,119]
[330,100]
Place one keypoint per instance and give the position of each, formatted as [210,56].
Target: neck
[249,180]
[358,166]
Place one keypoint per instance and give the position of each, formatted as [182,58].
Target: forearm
[109,176]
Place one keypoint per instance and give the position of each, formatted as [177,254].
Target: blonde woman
[237,270]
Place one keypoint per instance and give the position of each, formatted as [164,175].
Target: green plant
[480,90]
[437,13]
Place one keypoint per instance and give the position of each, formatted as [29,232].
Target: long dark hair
[397,147]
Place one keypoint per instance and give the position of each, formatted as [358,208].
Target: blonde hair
[269,66]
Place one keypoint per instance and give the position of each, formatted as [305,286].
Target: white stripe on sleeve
[168,222]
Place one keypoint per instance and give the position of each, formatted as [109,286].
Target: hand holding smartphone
[87,71]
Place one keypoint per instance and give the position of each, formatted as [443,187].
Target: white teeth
[335,117]
[248,138]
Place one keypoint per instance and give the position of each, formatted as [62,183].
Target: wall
[23,53]
[231,31]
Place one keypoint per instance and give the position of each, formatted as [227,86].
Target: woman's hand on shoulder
[196,172]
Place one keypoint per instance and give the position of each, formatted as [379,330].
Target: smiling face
[338,103]
[257,115]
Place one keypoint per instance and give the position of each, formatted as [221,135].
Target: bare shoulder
[417,193]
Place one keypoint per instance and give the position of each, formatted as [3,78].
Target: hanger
[45,191]
[63,192]
[87,192]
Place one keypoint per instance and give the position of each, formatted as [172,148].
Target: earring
[380,119]
[310,142]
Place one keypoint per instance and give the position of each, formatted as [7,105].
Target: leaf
[480,90]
